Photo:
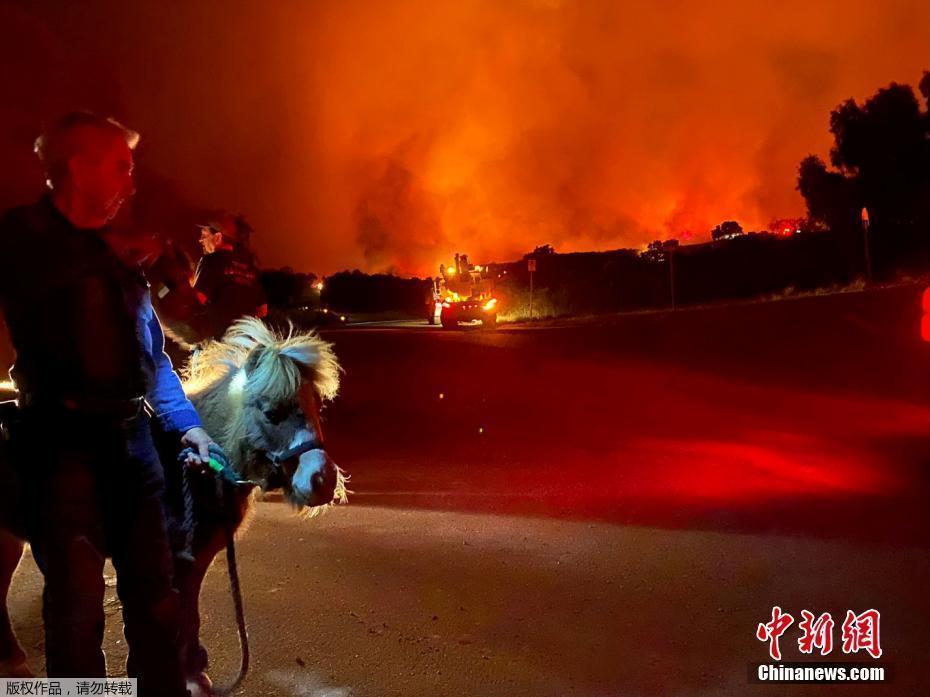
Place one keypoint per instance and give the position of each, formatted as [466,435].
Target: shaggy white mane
[305,349]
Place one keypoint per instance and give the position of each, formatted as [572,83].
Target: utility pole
[531,267]
[671,273]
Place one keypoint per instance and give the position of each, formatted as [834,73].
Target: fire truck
[462,292]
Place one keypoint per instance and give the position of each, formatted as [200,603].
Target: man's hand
[199,440]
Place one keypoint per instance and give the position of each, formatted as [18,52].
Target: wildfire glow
[380,135]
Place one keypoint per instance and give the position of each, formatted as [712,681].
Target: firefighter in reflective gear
[227,278]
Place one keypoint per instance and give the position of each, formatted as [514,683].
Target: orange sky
[391,134]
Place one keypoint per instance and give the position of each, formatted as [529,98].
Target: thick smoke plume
[392,134]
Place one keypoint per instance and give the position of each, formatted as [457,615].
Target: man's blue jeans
[95,488]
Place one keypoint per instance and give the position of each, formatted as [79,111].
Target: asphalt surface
[607,508]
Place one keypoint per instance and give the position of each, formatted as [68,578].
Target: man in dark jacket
[226,280]
[90,367]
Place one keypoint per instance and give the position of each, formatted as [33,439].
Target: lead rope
[224,476]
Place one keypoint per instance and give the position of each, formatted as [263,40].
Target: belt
[93,407]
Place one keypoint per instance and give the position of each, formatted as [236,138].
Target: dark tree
[360,292]
[881,153]
[726,230]
[882,146]
[541,251]
[286,289]
[657,251]
[881,156]
[831,197]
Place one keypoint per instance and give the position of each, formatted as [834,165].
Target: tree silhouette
[540,251]
[726,230]
[881,153]
[831,198]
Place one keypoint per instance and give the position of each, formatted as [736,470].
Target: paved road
[605,509]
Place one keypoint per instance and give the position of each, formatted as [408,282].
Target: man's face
[210,240]
[102,172]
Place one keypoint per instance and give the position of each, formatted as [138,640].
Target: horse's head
[265,411]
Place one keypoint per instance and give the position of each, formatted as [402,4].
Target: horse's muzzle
[314,481]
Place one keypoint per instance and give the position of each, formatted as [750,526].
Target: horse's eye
[276,415]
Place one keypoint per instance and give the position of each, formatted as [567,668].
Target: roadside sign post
[531,267]
[671,274]
[865,242]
